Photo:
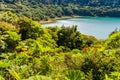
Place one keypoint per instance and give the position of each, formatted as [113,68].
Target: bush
[9,40]
[29,29]
[75,75]
[89,40]
[70,37]
[1,78]
[41,66]
[31,46]
[113,41]
[113,76]
[38,77]
[9,17]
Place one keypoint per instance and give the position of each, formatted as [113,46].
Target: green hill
[30,52]
[45,9]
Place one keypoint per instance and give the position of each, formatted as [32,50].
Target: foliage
[89,40]
[113,76]
[8,39]
[5,26]
[47,40]
[39,77]
[30,52]
[3,64]
[75,75]
[31,46]
[43,10]
[14,74]
[95,64]
[29,28]
[9,17]
[70,37]
[53,31]
[113,41]
[1,78]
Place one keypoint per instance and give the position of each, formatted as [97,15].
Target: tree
[70,37]
[9,17]
[113,41]
[89,40]
[29,29]
[9,41]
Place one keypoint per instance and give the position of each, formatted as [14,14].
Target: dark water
[100,27]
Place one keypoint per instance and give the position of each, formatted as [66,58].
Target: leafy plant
[9,17]
[1,78]
[15,74]
[11,39]
[113,41]
[29,28]
[4,65]
[38,77]
[70,37]
[113,76]
[75,75]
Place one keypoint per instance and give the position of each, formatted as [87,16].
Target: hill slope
[45,9]
[113,3]
[31,52]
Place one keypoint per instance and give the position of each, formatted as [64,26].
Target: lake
[100,27]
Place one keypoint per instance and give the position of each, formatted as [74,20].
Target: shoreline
[51,20]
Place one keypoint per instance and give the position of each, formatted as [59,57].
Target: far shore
[51,20]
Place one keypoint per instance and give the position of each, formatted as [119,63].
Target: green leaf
[1,78]
[15,74]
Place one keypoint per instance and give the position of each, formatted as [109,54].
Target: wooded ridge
[45,9]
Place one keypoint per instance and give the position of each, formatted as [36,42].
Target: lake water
[100,27]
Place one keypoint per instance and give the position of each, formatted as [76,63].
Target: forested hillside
[112,3]
[45,9]
[30,52]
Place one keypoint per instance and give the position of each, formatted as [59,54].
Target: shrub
[41,66]
[29,29]
[89,40]
[31,46]
[113,41]
[75,75]
[38,77]
[9,17]
[100,63]
[70,37]
[1,78]
[113,76]
[9,40]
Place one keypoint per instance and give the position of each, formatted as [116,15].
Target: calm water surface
[100,27]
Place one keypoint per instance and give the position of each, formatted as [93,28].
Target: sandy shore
[57,18]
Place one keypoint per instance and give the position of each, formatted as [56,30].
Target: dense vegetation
[30,52]
[45,9]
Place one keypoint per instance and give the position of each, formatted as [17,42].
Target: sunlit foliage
[30,52]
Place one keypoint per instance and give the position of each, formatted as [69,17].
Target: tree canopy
[30,52]
[45,9]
